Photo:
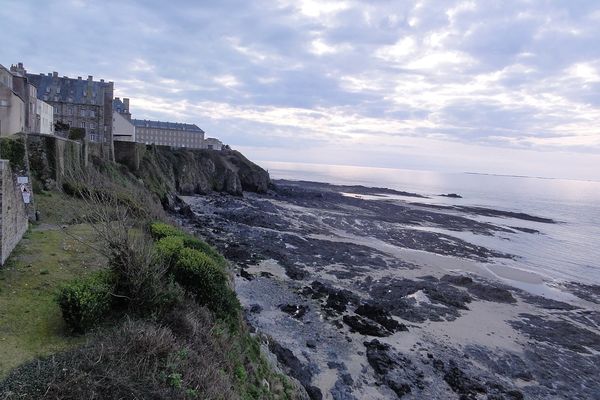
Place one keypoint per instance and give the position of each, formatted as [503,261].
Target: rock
[311,343]
[380,316]
[296,311]
[460,383]
[379,358]
[246,275]
[365,326]
[255,308]
[452,195]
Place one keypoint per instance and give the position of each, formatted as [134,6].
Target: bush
[201,275]
[84,302]
[169,247]
[159,230]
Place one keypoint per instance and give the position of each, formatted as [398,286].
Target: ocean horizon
[565,251]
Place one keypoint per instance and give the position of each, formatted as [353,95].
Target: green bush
[169,247]
[159,230]
[84,302]
[13,150]
[201,275]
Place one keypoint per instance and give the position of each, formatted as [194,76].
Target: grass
[31,324]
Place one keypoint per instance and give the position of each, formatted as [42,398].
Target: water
[567,251]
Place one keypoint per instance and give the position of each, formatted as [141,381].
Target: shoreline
[361,301]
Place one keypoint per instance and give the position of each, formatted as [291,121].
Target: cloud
[332,74]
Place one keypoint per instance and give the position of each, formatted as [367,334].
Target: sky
[505,87]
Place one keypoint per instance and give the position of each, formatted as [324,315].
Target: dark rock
[311,343]
[255,308]
[296,311]
[558,332]
[526,230]
[452,195]
[365,326]
[314,392]
[379,357]
[380,316]
[246,275]
[460,383]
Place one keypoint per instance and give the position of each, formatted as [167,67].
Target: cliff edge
[168,172]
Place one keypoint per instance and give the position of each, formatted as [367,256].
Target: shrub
[159,230]
[201,275]
[84,302]
[169,247]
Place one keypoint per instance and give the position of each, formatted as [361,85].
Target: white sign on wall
[26,194]
[22,179]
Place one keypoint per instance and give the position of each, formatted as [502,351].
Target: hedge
[84,302]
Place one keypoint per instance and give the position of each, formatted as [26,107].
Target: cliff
[167,172]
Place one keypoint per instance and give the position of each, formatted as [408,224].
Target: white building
[45,118]
[212,144]
[123,129]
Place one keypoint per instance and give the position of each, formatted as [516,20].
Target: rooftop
[51,87]
[143,123]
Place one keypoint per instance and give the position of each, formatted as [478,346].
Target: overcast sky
[486,86]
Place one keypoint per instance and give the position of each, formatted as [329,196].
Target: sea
[563,252]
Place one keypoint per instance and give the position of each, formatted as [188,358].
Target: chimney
[55,74]
[49,74]
[78,78]
[90,77]
[116,98]
[102,80]
[20,65]
[126,104]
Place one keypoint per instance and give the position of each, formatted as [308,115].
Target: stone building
[79,103]
[12,107]
[172,134]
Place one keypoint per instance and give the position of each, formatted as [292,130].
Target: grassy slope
[31,324]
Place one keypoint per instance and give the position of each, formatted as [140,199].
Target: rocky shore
[365,297]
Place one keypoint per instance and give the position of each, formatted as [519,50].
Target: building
[172,134]
[44,118]
[12,107]
[79,103]
[212,144]
[123,128]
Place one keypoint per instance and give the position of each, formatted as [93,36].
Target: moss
[13,149]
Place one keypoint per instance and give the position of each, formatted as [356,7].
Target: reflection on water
[569,250]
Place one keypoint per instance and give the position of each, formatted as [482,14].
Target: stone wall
[129,154]
[13,219]
[51,157]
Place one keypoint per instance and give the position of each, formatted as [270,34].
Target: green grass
[31,324]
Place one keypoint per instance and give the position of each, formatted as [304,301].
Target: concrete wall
[13,219]
[12,112]
[123,130]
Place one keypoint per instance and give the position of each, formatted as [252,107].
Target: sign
[22,179]
[26,194]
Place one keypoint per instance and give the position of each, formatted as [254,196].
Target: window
[83,125]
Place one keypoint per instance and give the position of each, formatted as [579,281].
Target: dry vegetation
[160,325]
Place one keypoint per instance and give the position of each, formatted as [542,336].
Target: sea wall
[13,219]
[53,157]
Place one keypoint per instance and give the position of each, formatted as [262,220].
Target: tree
[76,133]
